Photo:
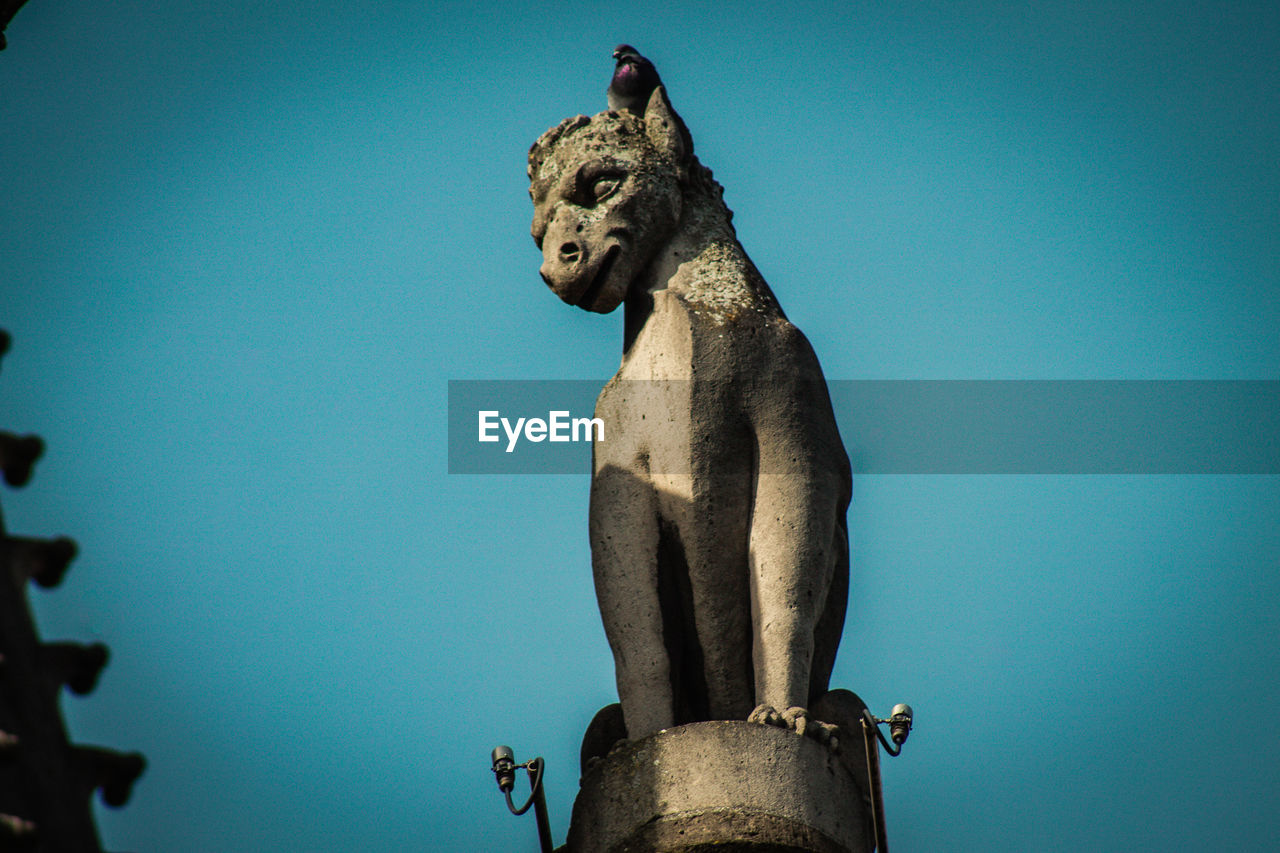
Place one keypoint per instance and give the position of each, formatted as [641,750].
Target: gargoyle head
[607,195]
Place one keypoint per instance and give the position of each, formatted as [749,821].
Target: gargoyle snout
[564,256]
[563,263]
[570,253]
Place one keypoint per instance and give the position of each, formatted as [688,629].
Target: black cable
[873,783]
[536,799]
[873,723]
[534,769]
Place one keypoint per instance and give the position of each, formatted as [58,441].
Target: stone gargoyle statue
[718,503]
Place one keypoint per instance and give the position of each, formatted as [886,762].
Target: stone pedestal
[728,787]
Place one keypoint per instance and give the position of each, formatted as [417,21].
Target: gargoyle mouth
[589,296]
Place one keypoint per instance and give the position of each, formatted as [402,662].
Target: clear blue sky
[246,245]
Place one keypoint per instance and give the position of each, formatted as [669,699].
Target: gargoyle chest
[677,398]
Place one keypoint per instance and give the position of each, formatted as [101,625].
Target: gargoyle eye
[596,182]
[604,187]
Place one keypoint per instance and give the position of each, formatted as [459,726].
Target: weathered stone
[723,786]
[718,533]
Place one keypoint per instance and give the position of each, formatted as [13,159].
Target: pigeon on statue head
[633,84]
[634,79]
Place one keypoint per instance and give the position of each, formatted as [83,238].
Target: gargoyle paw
[798,719]
[766,715]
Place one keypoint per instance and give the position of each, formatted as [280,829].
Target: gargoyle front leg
[792,566]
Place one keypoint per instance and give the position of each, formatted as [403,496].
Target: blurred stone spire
[46,782]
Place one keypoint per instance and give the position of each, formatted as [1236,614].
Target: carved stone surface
[718,501]
[723,786]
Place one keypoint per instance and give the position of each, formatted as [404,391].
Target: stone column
[727,787]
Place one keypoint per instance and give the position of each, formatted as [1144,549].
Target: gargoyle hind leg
[624,558]
[713,527]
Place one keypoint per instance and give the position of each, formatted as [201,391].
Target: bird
[634,79]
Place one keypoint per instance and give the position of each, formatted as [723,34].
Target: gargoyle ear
[666,130]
